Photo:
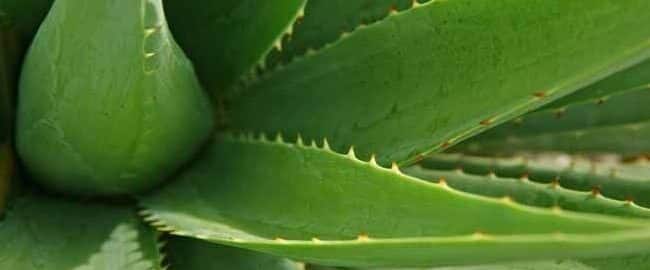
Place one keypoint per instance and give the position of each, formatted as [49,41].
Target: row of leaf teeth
[441,183]
[155,221]
[250,137]
[595,192]
[392,11]
[478,235]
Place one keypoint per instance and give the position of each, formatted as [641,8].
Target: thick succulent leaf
[531,193]
[191,254]
[314,205]
[25,16]
[227,39]
[630,78]
[45,233]
[137,93]
[622,182]
[426,78]
[326,20]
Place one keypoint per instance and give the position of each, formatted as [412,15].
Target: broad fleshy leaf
[227,39]
[311,204]
[42,233]
[622,182]
[192,254]
[428,77]
[102,115]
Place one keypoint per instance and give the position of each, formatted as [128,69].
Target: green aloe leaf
[630,78]
[191,254]
[326,20]
[624,108]
[531,193]
[311,204]
[622,182]
[40,233]
[426,78]
[580,127]
[626,139]
[137,93]
[227,39]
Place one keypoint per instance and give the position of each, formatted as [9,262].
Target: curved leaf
[314,205]
[423,79]
[191,254]
[326,20]
[630,183]
[630,78]
[625,108]
[531,193]
[627,140]
[45,233]
[227,39]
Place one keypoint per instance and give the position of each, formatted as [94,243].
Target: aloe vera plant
[324,134]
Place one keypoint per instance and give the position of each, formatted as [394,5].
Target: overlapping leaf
[311,204]
[617,124]
[42,233]
[326,20]
[428,77]
[227,39]
[628,182]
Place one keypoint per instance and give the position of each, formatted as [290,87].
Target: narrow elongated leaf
[191,254]
[630,78]
[624,108]
[42,233]
[619,182]
[570,128]
[314,205]
[531,193]
[226,39]
[428,77]
[627,140]
[326,20]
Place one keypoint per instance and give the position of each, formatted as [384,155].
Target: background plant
[345,134]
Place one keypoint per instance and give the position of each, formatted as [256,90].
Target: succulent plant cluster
[324,134]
